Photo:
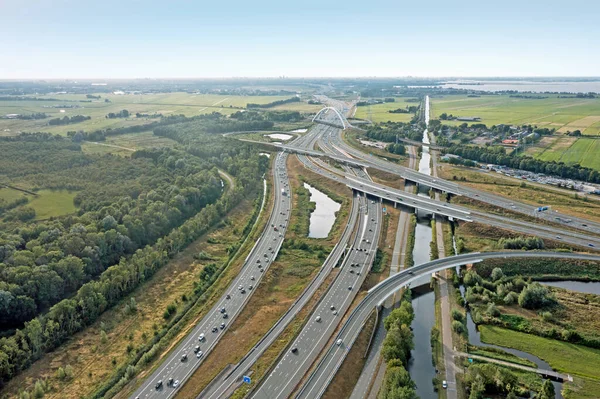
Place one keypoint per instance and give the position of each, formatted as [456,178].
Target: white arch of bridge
[342,119]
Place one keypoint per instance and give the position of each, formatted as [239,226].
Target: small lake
[279,136]
[323,217]
[300,131]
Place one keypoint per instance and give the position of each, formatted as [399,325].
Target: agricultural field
[562,114]
[583,151]
[379,112]
[163,103]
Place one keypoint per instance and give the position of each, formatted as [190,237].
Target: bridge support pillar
[395,205]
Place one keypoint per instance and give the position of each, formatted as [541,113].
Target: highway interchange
[362,232]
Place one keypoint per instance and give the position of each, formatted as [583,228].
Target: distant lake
[523,85]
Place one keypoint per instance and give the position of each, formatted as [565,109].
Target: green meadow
[560,113]
[380,112]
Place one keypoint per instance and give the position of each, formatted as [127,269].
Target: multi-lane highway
[303,351]
[220,387]
[329,364]
[189,353]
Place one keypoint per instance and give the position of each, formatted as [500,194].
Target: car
[222,326]
[338,342]
[591,245]
[294,350]
[358,273]
[158,384]
[558,237]
[444,384]
[584,225]
[240,288]
[350,288]
[335,312]
[318,319]
[196,349]
[215,329]
[176,384]
[243,291]
[184,357]
[332,307]
[257,260]
[252,278]
[199,354]
[228,296]
[170,381]
[223,310]
[225,315]
[250,287]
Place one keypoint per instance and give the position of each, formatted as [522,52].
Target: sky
[57,39]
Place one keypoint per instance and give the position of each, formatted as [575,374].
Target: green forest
[133,214]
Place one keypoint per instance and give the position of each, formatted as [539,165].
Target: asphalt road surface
[183,360]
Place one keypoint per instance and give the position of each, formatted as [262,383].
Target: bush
[497,274]
[511,298]
[458,327]
[492,310]
[536,296]
[458,315]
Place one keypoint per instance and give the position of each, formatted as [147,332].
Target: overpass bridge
[325,370]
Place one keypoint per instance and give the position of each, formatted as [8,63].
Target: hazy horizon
[65,39]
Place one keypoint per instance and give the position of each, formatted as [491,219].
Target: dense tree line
[119,237]
[388,132]
[32,116]
[43,263]
[396,348]
[121,114]
[65,120]
[294,99]
[398,149]
[498,156]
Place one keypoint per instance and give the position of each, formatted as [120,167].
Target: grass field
[51,203]
[552,112]
[564,357]
[9,195]
[584,151]
[163,103]
[379,112]
[126,144]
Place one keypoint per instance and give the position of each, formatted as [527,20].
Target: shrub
[458,315]
[458,327]
[536,296]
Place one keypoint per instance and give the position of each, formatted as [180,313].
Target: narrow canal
[421,367]
[323,217]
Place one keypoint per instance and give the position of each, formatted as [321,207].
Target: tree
[547,391]
[497,274]
[536,296]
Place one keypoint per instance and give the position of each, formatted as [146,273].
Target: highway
[214,324]
[305,349]
[292,366]
[322,375]
[220,387]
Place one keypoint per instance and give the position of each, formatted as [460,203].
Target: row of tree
[498,156]
[121,114]
[294,99]
[66,120]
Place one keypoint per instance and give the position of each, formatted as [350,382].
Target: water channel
[323,217]
[421,367]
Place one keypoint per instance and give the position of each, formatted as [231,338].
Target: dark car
[158,384]
[294,350]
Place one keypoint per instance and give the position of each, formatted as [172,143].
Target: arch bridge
[344,123]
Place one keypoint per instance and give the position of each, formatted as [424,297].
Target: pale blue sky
[137,39]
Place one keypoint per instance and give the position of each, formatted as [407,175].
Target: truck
[542,208]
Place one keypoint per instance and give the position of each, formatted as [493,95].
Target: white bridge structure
[344,123]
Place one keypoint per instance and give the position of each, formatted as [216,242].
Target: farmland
[163,103]
[560,113]
[583,151]
[380,112]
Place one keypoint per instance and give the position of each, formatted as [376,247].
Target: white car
[199,354]
[176,384]
[338,342]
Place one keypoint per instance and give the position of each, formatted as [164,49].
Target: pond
[279,136]
[577,286]
[323,217]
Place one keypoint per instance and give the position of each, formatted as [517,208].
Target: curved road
[330,363]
